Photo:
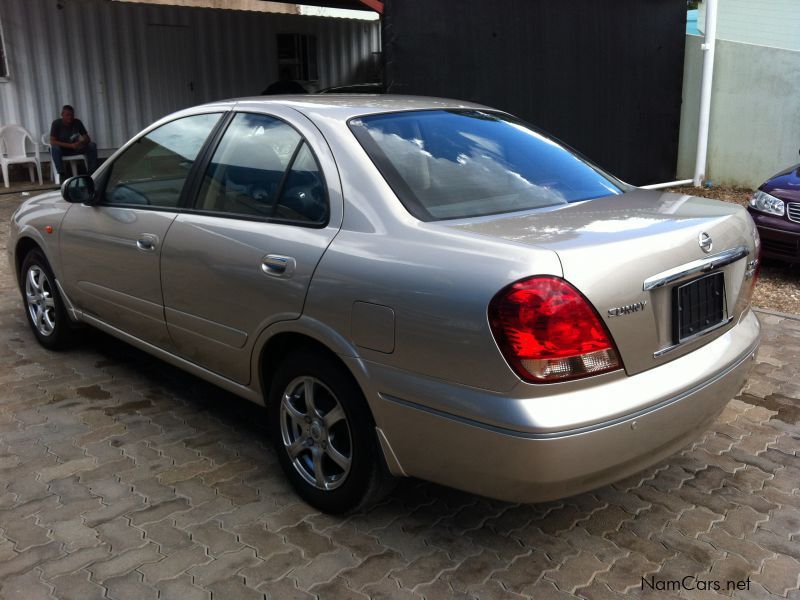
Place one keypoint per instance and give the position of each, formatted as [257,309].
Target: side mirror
[79,190]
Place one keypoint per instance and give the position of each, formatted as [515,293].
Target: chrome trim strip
[687,340]
[703,265]
[793,211]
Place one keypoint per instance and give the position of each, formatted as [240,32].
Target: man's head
[67,114]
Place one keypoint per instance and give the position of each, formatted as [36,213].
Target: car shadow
[247,418]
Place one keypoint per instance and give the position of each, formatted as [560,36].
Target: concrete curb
[40,190]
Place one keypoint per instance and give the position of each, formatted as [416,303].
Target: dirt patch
[93,392]
[786,409]
[778,287]
[728,194]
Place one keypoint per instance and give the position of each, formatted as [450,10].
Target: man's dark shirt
[67,134]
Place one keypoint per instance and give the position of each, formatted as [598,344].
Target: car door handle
[277,265]
[146,243]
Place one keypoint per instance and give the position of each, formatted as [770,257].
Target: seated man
[69,137]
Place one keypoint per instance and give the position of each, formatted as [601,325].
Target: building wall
[765,22]
[754,130]
[124,65]
[691,22]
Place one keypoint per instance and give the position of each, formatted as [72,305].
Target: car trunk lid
[629,254]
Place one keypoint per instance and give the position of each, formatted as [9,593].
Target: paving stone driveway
[121,477]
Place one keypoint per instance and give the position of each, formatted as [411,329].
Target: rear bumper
[523,466]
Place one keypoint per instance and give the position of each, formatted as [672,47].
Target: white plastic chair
[72,160]
[14,151]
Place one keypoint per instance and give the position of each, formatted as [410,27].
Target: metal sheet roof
[348,4]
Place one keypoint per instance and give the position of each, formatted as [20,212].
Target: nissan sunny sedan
[412,286]
[775,208]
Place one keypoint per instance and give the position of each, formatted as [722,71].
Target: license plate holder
[698,305]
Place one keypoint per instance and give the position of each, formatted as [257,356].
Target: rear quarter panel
[436,281]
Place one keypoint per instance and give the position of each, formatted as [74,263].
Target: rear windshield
[452,164]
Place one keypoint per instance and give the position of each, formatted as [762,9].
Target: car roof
[347,106]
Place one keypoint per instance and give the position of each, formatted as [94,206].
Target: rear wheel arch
[282,345]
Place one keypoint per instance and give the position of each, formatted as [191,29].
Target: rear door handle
[146,242]
[278,265]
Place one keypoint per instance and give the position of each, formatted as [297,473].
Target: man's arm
[84,139]
[54,135]
[54,141]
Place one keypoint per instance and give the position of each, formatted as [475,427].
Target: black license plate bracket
[698,305]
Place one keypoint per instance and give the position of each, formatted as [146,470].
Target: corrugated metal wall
[774,23]
[124,65]
[604,77]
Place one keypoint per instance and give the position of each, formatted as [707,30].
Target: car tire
[44,306]
[327,448]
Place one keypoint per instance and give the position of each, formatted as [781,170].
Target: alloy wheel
[315,433]
[40,300]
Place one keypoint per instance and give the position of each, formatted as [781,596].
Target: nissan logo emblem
[705,241]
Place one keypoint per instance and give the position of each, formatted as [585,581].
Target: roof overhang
[375,5]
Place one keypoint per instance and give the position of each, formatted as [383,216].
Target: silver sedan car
[412,286]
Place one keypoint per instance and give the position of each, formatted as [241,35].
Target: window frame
[190,177]
[194,198]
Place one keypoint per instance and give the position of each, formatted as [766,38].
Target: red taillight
[549,332]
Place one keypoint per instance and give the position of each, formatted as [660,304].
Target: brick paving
[124,478]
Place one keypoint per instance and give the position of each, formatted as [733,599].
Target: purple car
[775,207]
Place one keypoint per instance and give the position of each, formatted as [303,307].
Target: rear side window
[263,168]
[303,194]
[451,164]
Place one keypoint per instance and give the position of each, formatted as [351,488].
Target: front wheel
[44,307]
[323,433]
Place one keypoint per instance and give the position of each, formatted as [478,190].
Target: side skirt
[176,361]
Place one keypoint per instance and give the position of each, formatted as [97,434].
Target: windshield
[452,164]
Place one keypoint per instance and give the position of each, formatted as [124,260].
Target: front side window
[452,164]
[153,170]
[263,168]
